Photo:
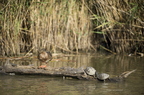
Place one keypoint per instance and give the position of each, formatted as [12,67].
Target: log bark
[77,73]
[30,70]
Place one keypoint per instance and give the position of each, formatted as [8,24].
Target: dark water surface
[46,85]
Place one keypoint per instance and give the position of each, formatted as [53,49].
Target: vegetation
[71,25]
[121,23]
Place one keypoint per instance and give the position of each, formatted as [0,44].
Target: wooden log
[63,71]
[78,73]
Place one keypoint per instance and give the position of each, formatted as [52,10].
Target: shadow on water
[45,85]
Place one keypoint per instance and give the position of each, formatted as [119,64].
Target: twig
[107,49]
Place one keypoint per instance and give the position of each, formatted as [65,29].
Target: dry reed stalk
[120,16]
[62,23]
[13,16]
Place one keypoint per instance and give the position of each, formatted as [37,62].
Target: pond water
[47,85]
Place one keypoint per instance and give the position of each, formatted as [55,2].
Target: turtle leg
[104,80]
[94,76]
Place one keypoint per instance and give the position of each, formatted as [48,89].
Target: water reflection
[46,85]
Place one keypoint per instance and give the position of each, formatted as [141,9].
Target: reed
[11,22]
[120,24]
[68,26]
[51,24]
[60,25]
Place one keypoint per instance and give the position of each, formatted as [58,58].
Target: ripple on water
[111,64]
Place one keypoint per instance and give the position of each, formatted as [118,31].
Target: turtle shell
[90,71]
[102,76]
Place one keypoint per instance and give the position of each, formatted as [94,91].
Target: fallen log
[31,70]
[78,73]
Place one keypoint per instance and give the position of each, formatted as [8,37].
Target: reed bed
[68,26]
[56,25]
[121,23]
[60,25]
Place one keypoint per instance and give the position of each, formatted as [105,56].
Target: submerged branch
[107,49]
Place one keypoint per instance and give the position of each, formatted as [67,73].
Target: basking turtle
[90,71]
[102,76]
[44,57]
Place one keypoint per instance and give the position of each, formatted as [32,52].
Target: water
[48,85]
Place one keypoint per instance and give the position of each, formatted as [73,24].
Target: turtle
[102,76]
[90,71]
